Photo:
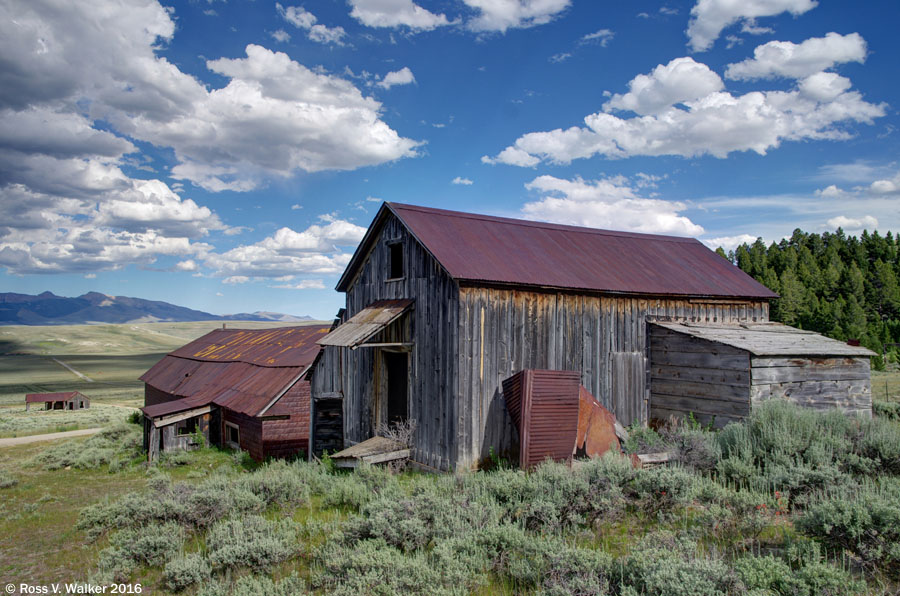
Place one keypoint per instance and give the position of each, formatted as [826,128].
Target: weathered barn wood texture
[503,331]
[429,326]
[326,431]
[718,372]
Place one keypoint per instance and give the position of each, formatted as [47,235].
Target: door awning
[366,323]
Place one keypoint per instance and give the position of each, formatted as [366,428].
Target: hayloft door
[396,366]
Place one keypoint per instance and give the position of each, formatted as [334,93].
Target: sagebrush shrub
[150,545]
[186,570]
[7,480]
[251,541]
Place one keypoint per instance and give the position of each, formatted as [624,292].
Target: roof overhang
[366,323]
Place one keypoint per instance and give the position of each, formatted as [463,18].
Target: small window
[396,264]
[188,427]
[232,435]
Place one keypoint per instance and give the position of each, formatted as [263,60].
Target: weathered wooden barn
[442,306]
[245,388]
[717,372]
[69,400]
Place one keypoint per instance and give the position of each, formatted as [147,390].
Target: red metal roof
[45,397]
[238,369]
[485,249]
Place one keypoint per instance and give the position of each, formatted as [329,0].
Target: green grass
[15,421]
[886,384]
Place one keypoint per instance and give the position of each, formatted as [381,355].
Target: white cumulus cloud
[729,242]
[610,203]
[396,13]
[790,60]
[679,81]
[710,17]
[404,76]
[500,15]
[461,180]
[853,224]
[682,112]
[303,19]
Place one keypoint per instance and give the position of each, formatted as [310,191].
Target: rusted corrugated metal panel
[242,370]
[544,406]
[45,397]
[284,346]
[366,323]
[483,249]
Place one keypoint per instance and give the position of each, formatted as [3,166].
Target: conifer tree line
[842,286]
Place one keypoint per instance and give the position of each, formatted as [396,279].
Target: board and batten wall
[502,331]
[430,326]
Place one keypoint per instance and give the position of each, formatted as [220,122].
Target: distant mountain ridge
[95,308]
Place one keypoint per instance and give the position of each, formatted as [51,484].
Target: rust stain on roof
[239,369]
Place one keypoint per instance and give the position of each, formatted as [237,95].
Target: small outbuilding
[70,400]
[718,372]
[243,388]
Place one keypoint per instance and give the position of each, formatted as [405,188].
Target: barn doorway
[396,366]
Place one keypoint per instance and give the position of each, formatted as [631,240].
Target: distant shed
[718,372]
[70,400]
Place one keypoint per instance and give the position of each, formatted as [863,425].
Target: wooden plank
[701,360]
[786,374]
[699,375]
[718,407]
[167,420]
[699,389]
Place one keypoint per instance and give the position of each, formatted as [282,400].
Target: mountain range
[95,308]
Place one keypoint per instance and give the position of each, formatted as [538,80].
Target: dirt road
[48,437]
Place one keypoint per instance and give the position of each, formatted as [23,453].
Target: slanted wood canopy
[366,324]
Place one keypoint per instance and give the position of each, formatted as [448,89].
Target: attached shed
[245,388]
[718,372]
[70,400]
[442,306]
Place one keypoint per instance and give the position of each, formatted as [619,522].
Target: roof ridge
[542,224]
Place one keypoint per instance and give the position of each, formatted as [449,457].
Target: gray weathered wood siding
[431,328]
[689,375]
[502,331]
[820,383]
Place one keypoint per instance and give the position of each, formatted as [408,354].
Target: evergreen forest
[842,286]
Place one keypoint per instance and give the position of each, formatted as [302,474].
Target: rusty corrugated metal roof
[45,397]
[284,346]
[484,249]
[238,369]
[544,406]
[366,323]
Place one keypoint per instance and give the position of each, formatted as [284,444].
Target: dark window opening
[396,265]
[189,427]
[232,434]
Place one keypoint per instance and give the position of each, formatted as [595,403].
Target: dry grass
[886,385]
[15,421]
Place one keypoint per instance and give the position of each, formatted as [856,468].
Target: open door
[396,366]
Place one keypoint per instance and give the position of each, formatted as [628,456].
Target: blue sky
[227,156]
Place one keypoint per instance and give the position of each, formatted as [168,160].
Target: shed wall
[430,326]
[692,376]
[843,383]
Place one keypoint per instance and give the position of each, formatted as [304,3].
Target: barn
[69,400]
[443,306]
[244,388]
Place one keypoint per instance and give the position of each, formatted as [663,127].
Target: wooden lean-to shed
[718,372]
[244,388]
[443,306]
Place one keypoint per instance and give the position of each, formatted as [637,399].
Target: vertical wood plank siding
[502,331]
[430,326]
